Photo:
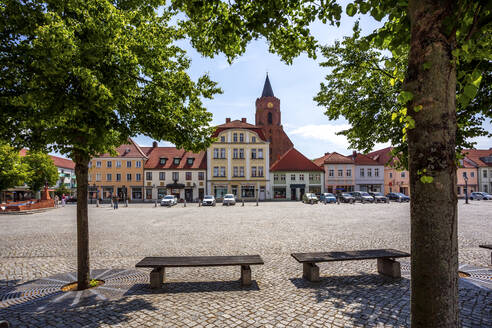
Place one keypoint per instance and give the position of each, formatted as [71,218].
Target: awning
[298,185]
[175,185]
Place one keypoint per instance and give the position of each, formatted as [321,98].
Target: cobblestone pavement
[350,294]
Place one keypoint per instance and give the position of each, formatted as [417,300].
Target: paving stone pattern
[39,247]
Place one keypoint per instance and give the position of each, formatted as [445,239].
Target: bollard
[155,203]
[126,202]
[256,201]
[199,203]
[4,324]
[243,201]
[184,203]
[97,202]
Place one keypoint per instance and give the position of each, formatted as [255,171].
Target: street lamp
[93,191]
[466,187]
[153,188]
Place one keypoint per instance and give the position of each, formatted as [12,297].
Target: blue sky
[295,85]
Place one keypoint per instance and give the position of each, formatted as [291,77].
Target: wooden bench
[159,264]
[487,247]
[386,261]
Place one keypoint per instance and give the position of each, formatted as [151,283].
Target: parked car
[327,197]
[379,197]
[229,199]
[476,195]
[208,200]
[362,197]
[486,196]
[398,196]
[346,197]
[309,198]
[169,200]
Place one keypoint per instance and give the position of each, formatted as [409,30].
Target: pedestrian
[115,202]
[57,199]
[64,198]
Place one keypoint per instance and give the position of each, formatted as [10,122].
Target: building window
[292,177]
[484,173]
[222,153]
[162,175]
[247,191]
[109,177]
[148,193]
[162,161]
[376,172]
[241,153]
[260,153]
[253,153]
[234,153]
[176,160]
[403,174]
[301,177]
[391,175]
[485,188]
[109,164]
[260,171]
[148,175]
[472,174]
[459,190]
[222,138]
[98,176]
[279,193]
[175,176]
[216,171]
[138,177]
[253,139]
[241,137]
[331,173]
[235,171]
[282,177]
[138,164]
[190,160]
[340,173]
[361,172]
[90,164]
[270,118]
[128,177]
[118,164]
[369,172]
[253,171]
[98,164]
[128,163]
[216,152]
[136,193]
[222,171]
[201,176]
[188,175]
[118,177]
[234,137]
[241,171]
[89,178]
[349,172]
[275,177]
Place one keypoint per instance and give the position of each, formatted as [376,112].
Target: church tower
[269,119]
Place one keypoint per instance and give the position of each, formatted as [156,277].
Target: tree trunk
[431,146]
[81,172]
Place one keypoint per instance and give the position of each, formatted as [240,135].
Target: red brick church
[268,117]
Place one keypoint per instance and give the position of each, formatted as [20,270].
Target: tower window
[270,118]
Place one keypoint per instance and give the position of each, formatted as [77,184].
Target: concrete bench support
[157,278]
[389,267]
[310,272]
[245,275]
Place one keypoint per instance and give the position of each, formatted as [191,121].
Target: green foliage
[40,170]
[80,77]
[93,283]
[12,170]
[62,189]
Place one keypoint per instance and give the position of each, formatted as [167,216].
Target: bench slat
[198,261]
[348,255]
[485,246]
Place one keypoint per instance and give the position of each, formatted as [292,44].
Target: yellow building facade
[238,162]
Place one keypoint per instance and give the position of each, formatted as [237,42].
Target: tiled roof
[200,160]
[361,159]
[321,160]
[293,160]
[482,157]
[65,163]
[336,158]
[381,156]
[131,149]
[238,124]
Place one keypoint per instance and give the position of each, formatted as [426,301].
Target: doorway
[189,195]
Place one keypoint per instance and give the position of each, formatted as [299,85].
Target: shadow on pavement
[192,287]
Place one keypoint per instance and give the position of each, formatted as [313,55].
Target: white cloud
[482,142]
[325,133]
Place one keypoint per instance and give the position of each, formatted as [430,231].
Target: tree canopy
[40,170]
[12,169]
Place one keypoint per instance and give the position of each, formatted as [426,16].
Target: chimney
[228,120]
[354,154]
[328,153]
[154,144]
[243,120]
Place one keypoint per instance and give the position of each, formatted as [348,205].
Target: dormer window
[162,161]
[190,161]
[177,160]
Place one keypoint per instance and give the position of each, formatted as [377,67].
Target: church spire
[267,89]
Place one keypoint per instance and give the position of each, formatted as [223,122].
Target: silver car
[208,200]
[229,199]
[169,200]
